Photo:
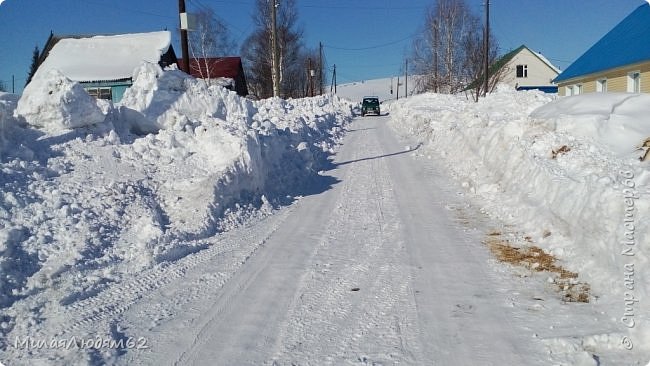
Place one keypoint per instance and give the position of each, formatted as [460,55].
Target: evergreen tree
[32,69]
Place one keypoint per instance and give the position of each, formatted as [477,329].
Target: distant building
[224,71]
[104,65]
[618,62]
[525,69]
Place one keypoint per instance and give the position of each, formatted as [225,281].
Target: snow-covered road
[374,267]
[214,241]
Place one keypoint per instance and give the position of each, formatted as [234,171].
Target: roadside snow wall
[93,191]
[569,177]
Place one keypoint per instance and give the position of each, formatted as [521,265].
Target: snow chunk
[54,102]
[616,120]
[7,107]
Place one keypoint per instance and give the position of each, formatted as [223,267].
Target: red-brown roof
[214,67]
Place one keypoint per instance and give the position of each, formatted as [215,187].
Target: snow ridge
[556,170]
[93,192]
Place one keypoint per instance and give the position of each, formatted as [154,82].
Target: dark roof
[214,67]
[626,44]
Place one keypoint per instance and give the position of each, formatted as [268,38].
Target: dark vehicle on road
[370,105]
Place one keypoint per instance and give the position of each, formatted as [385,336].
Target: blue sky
[561,29]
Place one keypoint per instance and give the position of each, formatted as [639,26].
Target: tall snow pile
[7,106]
[617,120]
[54,102]
[91,191]
[566,172]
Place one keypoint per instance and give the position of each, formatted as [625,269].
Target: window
[569,91]
[100,93]
[634,82]
[601,85]
[522,71]
[577,89]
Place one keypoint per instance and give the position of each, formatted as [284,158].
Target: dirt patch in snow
[536,259]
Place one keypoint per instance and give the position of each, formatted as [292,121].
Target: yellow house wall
[616,80]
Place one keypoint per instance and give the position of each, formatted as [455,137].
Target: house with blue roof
[618,62]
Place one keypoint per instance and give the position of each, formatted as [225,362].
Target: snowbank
[96,191]
[617,120]
[55,103]
[7,107]
[565,172]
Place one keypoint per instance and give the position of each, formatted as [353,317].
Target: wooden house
[104,65]
[225,71]
[524,69]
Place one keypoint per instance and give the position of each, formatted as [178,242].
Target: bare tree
[209,39]
[256,51]
[473,62]
[446,54]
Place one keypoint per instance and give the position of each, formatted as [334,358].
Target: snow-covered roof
[547,61]
[625,44]
[105,57]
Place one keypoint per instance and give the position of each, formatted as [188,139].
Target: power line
[130,10]
[216,17]
[357,66]
[375,46]
[367,8]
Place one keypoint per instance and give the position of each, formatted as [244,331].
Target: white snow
[55,103]
[92,192]
[617,120]
[154,215]
[566,172]
[85,59]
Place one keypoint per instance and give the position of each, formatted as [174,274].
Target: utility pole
[310,78]
[487,47]
[333,80]
[436,43]
[406,79]
[13,84]
[184,43]
[397,96]
[274,49]
[320,67]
